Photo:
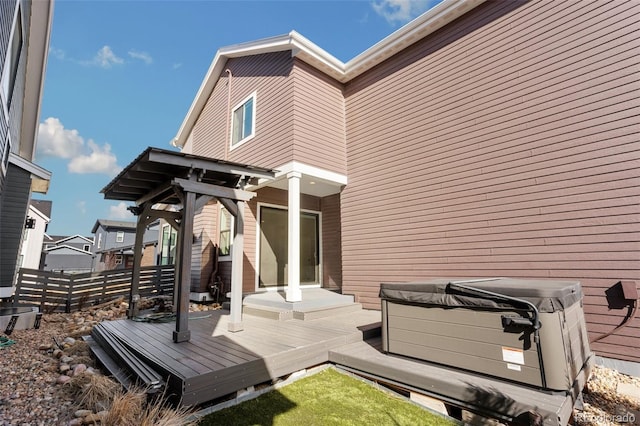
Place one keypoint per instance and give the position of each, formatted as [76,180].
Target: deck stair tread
[150,378]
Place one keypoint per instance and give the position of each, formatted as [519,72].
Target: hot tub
[527,331]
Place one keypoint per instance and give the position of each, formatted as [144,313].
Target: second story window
[86,247]
[120,237]
[99,240]
[243,121]
[10,69]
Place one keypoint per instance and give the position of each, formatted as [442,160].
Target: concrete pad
[629,390]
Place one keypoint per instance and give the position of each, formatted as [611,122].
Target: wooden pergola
[157,178]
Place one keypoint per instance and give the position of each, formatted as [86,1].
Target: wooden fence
[62,292]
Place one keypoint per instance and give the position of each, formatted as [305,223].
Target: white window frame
[119,258]
[100,240]
[226,258]
[7,152]
[250,136]
[11,63]
[120,237]
[320,253]
[86,247]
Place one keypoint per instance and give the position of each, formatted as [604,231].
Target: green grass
[326,398]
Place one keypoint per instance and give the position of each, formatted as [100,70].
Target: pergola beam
[216,191]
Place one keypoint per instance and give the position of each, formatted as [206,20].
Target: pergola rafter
[163,177]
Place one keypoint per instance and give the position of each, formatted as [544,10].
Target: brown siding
[269,76]
[507,146]
[331,242]
[204,234]
[319,125]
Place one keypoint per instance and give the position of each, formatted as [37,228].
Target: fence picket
[68,292]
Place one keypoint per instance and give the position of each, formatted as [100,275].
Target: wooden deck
[215,362]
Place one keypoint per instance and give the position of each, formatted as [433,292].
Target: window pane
[237,126]
[248,119]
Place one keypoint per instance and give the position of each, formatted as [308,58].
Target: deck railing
[64,292]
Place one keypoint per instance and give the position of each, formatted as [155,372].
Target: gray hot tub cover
[545,295]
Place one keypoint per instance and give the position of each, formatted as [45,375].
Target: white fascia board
[302,47]
[75,236]
[422,26]
[54,248]
[27,165]
[39,213]
[37,54]
[292,41]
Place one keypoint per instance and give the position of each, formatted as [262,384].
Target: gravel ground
[31,392]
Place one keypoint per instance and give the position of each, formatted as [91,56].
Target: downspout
[227,139]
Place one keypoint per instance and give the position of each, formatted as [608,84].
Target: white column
[294,294]
[237,255]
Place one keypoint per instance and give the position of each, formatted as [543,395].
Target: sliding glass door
[274,235]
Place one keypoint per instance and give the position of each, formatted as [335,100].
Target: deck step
[269,312]
[122,356]
[324,312]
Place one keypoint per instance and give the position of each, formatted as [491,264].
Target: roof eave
[308,51]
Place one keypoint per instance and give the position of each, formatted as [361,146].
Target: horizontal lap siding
[269,75]
[507,146]
[319,131]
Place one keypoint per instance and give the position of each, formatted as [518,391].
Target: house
[482,139]
[71,254]
[38,218]
[25,27]
[114,241]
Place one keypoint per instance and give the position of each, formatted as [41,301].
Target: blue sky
[121,76]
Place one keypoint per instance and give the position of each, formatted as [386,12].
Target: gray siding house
[24,43]
[67,254]
[483,139]
[114,241]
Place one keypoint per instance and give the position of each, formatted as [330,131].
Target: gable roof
[106,223]
[67,249]
[302,48]
[57,239]
[43,206]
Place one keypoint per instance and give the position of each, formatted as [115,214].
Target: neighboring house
[73,254]
[482,139]
[25,27]
[38,218]
[114,241]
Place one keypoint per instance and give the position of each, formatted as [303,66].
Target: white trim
[71,237]
[320,253]
[64,246]
[27,165]
[316,172]
[253,96]
[8,59]
[228,257]
[301,47]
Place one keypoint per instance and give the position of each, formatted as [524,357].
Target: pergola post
[237,254]
[134,296]
[183,272]
[293,293]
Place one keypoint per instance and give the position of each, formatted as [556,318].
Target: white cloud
[401,11]
[105,58]
[98,160]
[176,66]
[57,53]
[143,56]
[56,141]
[119,211]
[81,206]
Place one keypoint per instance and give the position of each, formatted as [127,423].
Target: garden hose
[5,342]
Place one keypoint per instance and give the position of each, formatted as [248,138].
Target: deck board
[216,362]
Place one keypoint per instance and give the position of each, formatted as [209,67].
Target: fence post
[45,286]
[69,294]
[16,294]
